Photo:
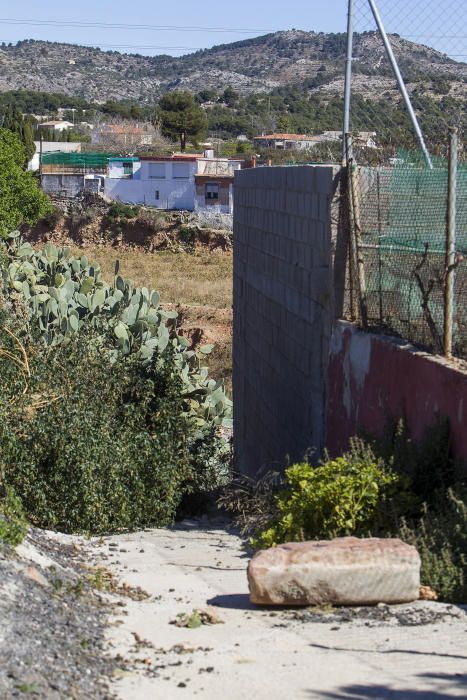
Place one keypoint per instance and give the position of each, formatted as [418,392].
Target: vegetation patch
[386,488]
[107,418]
[13,525]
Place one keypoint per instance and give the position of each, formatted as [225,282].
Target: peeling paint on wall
[374,378]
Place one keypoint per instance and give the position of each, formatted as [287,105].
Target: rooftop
[59,122]
[289,137]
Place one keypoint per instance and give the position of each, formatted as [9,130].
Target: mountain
[289,58]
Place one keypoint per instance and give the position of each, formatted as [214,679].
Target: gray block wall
[283,311]
[56,182]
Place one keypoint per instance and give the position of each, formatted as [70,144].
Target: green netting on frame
[402,219]
[77,160]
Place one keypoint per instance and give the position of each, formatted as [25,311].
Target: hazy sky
[423,20]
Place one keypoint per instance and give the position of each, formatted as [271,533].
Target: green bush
[64,294]
[340,497]
[118,210]
[95,446]
[411,491]
[13,525]
[187,235]
[440,536]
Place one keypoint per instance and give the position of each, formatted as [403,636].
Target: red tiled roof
[121,129]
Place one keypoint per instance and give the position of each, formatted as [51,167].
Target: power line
[124,25]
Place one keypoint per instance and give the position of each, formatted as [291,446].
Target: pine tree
[181,117]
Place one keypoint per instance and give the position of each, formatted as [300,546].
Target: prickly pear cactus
[64,292]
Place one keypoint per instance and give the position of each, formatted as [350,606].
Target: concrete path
[403,652]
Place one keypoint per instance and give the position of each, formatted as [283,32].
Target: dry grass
[202,277]
[200,282]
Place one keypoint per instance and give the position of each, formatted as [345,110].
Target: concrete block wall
[283,312]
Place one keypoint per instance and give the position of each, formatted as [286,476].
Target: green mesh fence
[77,160]
[402,219]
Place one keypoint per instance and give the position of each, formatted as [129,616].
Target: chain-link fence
[429,41]
[399,266]
[405,276]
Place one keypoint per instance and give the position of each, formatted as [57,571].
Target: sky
[440,23]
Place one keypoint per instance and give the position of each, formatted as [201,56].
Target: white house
[56,125]
[181,181]
[287,142]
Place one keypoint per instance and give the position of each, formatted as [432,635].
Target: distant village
[176,181]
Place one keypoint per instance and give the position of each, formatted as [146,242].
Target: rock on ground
[343,571]
[414,650]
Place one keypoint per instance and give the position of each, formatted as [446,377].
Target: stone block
[343,571]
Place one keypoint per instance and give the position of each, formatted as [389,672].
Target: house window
[212,190]
[180,171]
[157,194]
[156,171]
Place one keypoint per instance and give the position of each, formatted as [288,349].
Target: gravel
[52,630]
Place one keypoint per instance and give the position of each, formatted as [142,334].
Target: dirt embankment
[89,220]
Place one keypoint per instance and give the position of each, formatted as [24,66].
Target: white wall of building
[162,184]
[116,168]
[52,147]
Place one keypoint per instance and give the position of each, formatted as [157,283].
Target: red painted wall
[373,378]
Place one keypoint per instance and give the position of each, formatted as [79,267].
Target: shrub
[186,235]
[13,525]
[65,293]
[81,216]
[151,219]
[340,497]
[53,218]
[440,536]
[411,491]
[95,446]
[119,210]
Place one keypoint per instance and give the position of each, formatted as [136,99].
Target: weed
[341,496]
[202,277]
[27,687]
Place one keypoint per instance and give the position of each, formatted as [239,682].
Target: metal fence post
[400,81]
[348,79]
[450,242]
[353,185]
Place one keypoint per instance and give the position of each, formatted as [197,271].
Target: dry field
[198,285]
[200,278]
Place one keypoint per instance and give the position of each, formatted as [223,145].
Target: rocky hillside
[254,65]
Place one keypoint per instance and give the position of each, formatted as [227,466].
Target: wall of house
[373,379]
[223,205]
[283,308]
[174,193]
[124,190]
